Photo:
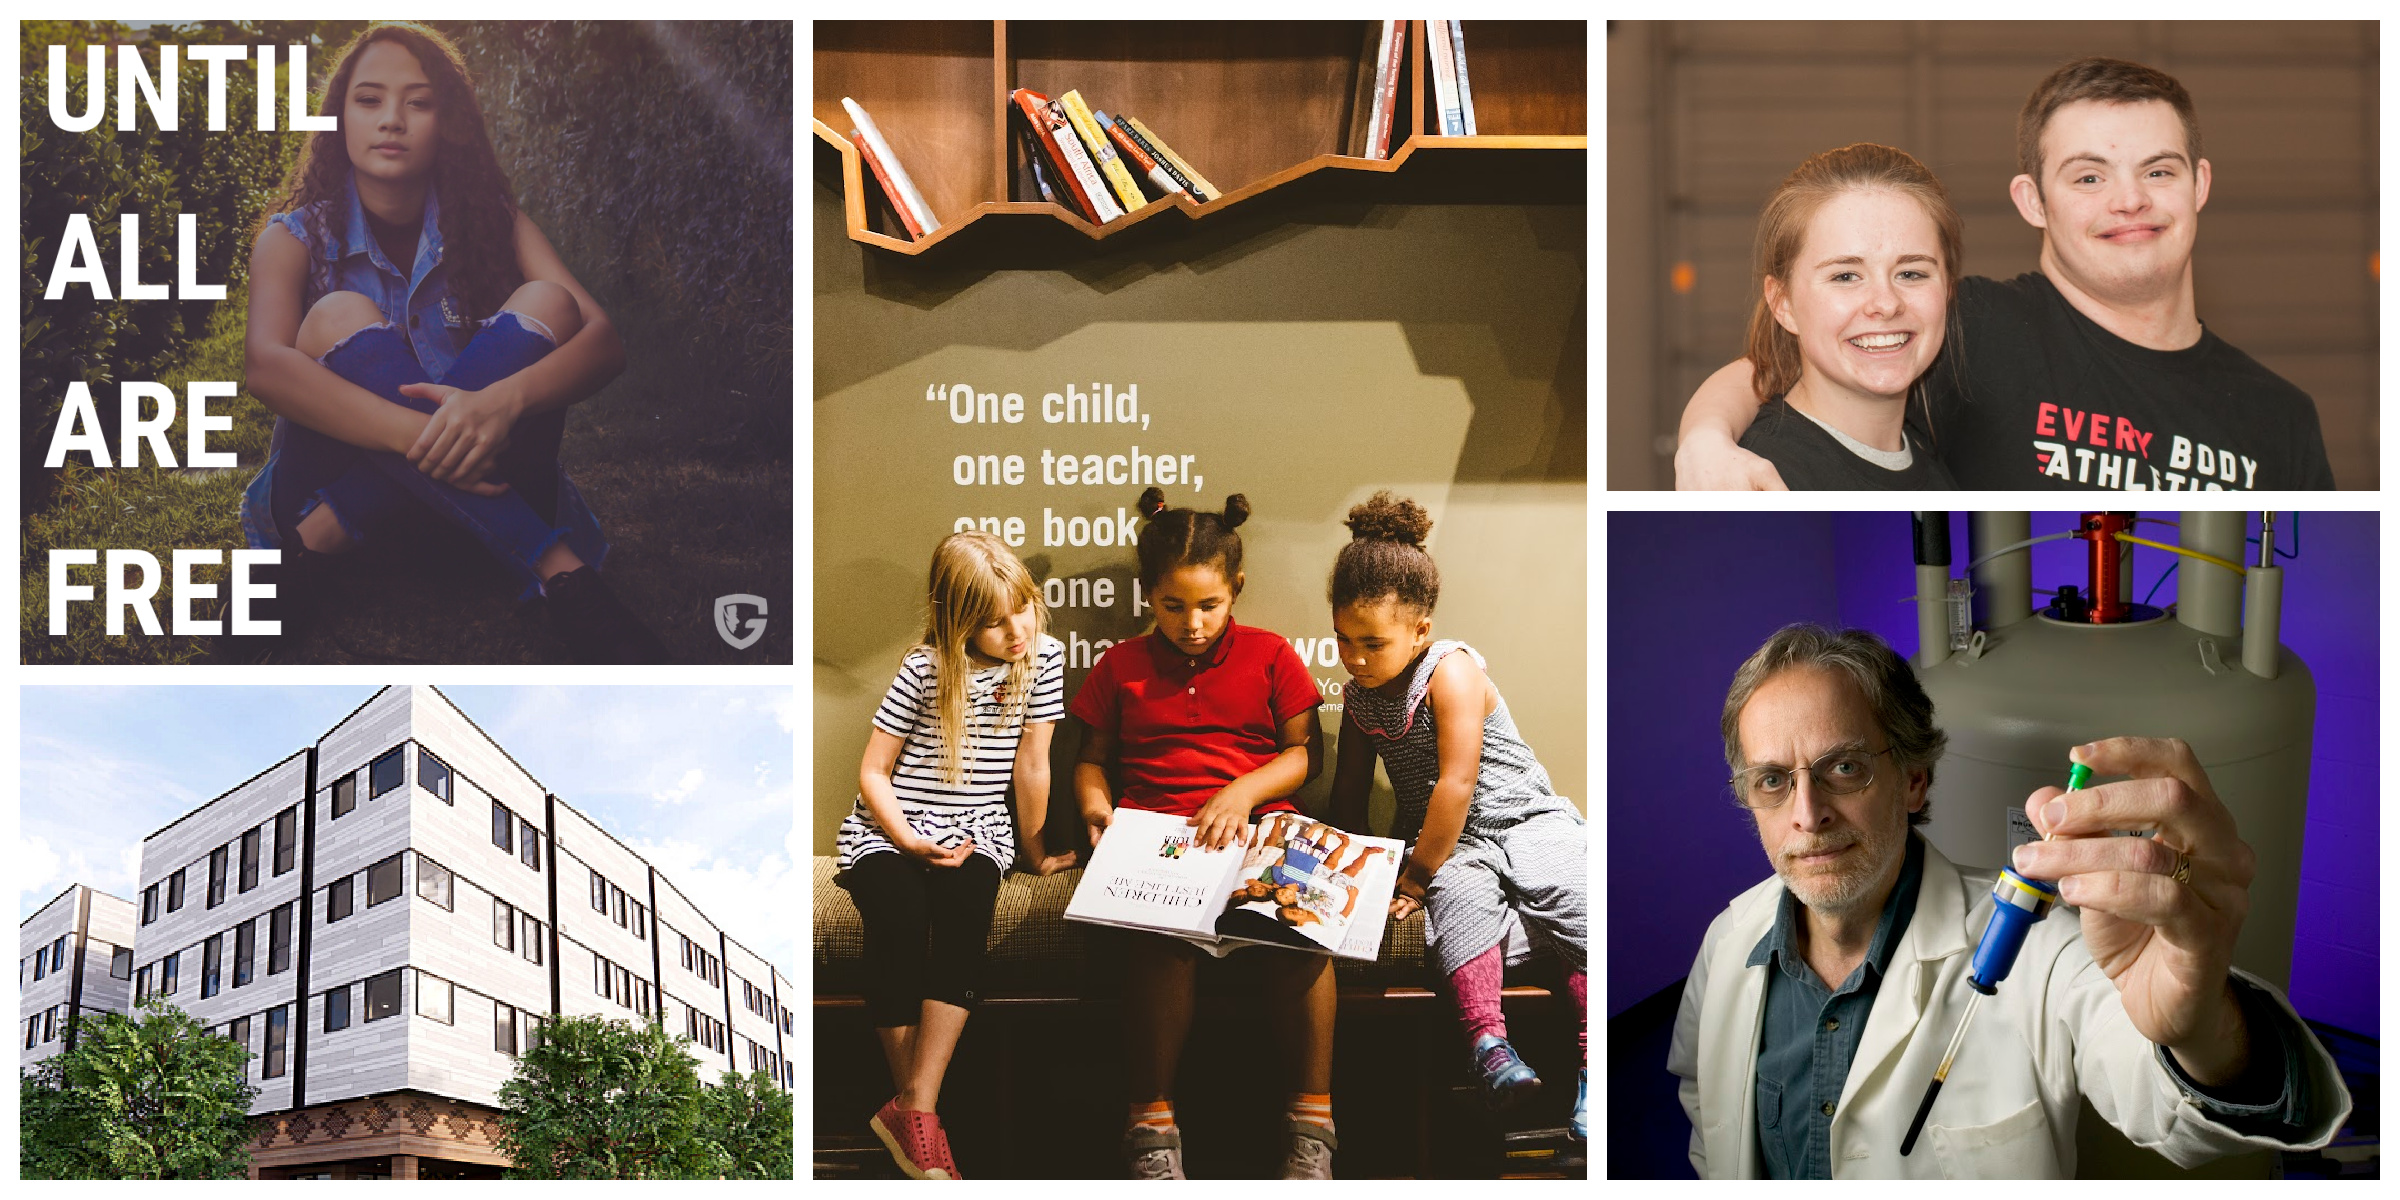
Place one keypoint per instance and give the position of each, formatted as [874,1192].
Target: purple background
[1690,595]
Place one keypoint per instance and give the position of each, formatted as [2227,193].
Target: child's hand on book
[1096,816]
[1222,821]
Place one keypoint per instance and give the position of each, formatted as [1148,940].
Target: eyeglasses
[1839,773]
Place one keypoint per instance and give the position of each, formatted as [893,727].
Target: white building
[74,956]
[387,917]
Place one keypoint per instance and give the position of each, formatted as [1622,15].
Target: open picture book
[1294,882]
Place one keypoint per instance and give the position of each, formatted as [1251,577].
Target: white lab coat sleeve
[1683,1053]
[2118,1070]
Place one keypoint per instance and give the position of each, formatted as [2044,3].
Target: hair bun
[1389,518]
[1153,502]
[1237,510]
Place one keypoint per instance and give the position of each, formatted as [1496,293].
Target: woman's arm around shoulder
[1708,454]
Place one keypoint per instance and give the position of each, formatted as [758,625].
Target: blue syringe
[2018,904]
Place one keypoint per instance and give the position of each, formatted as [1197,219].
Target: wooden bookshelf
[1253,105]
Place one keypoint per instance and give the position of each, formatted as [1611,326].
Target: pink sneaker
[915,1140]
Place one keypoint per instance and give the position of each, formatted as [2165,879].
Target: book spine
[908,193]
[1039,162]
[1104,154]
[1466,96]
[1395,60]
[1183,184]
[1379,117]
[1079,162]
[1166,154]
[1137,158]
[874,164]
[1445,76]
[1035,108]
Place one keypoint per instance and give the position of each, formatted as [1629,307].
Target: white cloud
[684,789]
[748,899]
[38,871]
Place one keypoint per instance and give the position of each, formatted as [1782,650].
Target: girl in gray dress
[1491,844]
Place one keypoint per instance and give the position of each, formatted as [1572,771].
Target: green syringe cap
[2078,775]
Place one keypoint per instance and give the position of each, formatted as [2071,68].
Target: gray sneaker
[1311,1153]
[1154,1153]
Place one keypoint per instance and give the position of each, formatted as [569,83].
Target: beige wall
[1706,117]
[1304,360]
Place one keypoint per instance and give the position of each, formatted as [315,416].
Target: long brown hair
[1774,352]
[479,211]
[973,582]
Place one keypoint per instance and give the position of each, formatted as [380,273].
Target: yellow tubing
[2234,567]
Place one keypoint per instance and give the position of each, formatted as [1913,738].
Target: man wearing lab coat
[1822,999]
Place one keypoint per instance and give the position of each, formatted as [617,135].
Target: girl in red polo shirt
[1216,722]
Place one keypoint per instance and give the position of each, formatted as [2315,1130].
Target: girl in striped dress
[1493,849]
[970,713]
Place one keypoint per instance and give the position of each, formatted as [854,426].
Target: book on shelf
[1138,159]
[883,179]
[1120,127]
[1164,153]
[1444,64]
[1467,97]
[1388,41]
[1291,881]
[1039,163]
[902,189]
[1071,168]
[1104,152]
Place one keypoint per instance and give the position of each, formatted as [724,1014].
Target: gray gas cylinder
[2040,687]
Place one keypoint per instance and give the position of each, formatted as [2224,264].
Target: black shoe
[594,624]
[300,583]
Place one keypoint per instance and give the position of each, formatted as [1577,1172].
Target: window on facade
[33,1032]
[175,890]
[638,916]
[345,796]
[433,881]
[383,995]
[625,986]
[58,954]
[504,924]
[532,944]
[212,962]
[687,951]
[237,1031]
[149,904]
[338,899]
[617,897]
[602,978]
[383,882]
[529,844]
[384,773]
[433,774]
[278,1020]
[216,874]
[337,1009]
[433,997]
[642,988]
[279,940]
[245,951]
[50,1024]
[41,962]
[504,828]
[787,1020]
[287,829]
[504,1029]
[533,1032]
[599,893]
[120,963]
[249,860]
[141,985]
[167,971]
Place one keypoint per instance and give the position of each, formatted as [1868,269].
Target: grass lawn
[692,483]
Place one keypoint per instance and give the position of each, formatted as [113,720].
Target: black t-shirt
[398,242]
[1810,459]
[2031,393]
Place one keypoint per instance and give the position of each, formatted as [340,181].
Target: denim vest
[417,301]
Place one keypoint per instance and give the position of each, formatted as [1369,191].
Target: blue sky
[103,767]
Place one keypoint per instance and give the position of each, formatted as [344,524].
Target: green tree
[608,1099]
[750,1117]
[157,1098]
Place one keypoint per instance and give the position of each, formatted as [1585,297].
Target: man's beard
[1837,890]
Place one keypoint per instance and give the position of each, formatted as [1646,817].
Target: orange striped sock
[1313,1107]
[1157,1114]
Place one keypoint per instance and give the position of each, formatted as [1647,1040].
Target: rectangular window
[691,1023]
[504,828]
[141,985]
[383,995]
[33,1032]
[249,860]
[383,882]
[433,881]
[245,951]
[433,775]
[602,977]
[287,828]
[642,987]
[533,941]
[149,904]
[504,1029]
[384,773]
[279,940]
[175,890]
[433,998]
[625,987]
[638,915]
[337,1009]
[529,844]
[50,1024]
[120,964]
[217,861]
[599,893]
[345,796]
[533,1032]
[167,972]
[687,952]
[617,896]
[238,1030]
[41,963]
[338,898]
[278,1019]
[504,924]
[212,963]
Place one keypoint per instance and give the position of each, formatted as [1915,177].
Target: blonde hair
[1774,352]
[974,581]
